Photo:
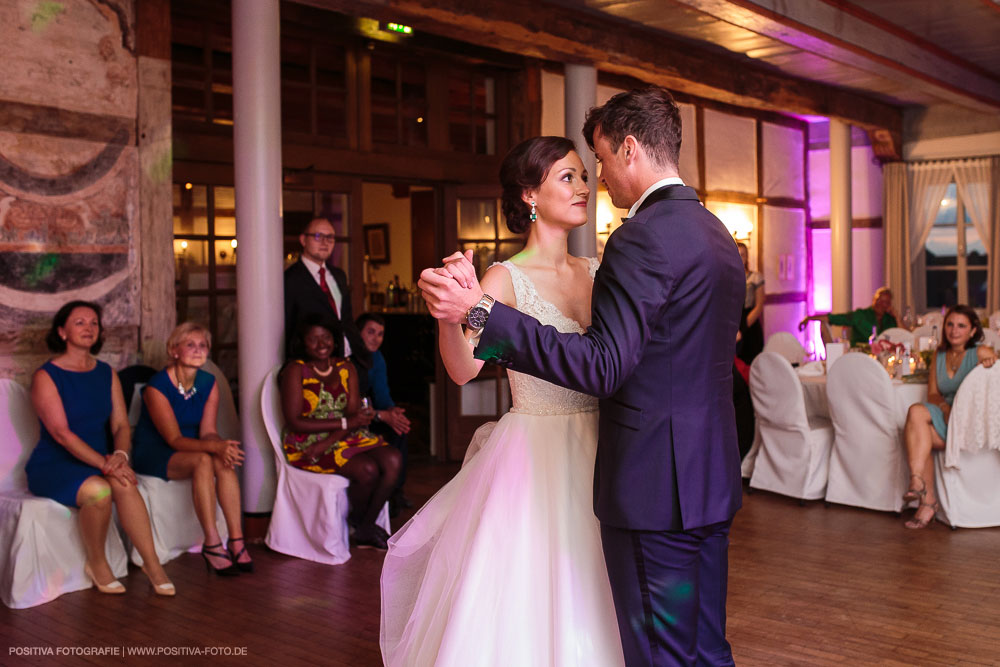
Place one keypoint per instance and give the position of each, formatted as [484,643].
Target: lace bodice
[531,395]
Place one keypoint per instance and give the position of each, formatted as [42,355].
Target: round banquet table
[814,393]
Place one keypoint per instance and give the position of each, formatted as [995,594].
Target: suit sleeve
[631,291]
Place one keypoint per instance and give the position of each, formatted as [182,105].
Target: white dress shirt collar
[674,180]
[313,267]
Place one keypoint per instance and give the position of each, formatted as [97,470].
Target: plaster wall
[69,174]
[867,250]
[379,205]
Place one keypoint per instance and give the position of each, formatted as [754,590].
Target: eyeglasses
[329,238]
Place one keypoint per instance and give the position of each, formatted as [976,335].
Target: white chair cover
[786,345]
[309,518]
[794,454]
[995,321]
[925,330]
[41,552]
[991,338]
[175,525]
[932,318]
[974,423]
[227,421]
[968,492]
[868,465]
[897,335]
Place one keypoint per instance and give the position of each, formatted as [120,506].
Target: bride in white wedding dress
[503,566]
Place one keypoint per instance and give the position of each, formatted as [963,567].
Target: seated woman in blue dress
[82,457]
[927,423]
[176,438]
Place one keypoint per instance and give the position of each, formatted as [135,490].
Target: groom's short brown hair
[649,114]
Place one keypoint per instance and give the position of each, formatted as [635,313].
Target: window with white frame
[955,257]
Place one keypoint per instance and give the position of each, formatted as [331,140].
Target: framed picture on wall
[377,242]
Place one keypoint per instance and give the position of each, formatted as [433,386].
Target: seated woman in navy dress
[176,438]
[927,423]
[82,457]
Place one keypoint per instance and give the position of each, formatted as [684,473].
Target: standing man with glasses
[314,285]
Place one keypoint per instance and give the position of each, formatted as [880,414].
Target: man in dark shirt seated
[390,420]
[880,316]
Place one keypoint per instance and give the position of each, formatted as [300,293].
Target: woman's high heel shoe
[916,494]
[114,588]
[167,590]
[215,550]
[235,557]
[919,524]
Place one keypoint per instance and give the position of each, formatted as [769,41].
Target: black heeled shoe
[215,551]
[235,557]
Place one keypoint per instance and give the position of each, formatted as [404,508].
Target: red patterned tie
[326,290]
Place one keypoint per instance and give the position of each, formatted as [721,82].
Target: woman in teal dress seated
[82,456]
[927,423]
[177,438]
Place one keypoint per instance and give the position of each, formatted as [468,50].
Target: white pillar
[259,285]
[581,96]
[840,215]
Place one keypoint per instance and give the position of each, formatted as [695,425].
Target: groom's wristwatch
[479,313]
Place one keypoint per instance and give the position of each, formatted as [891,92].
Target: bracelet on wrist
[122,452]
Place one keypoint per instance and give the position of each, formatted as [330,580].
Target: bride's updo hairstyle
[525,167]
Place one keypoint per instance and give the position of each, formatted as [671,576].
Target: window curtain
[896,226]
[972,179]
[927,184]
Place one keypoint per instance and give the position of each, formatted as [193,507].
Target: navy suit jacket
[659,352]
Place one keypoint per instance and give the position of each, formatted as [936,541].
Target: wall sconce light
[605,216]
[736,221]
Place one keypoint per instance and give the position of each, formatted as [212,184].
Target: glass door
[473,221]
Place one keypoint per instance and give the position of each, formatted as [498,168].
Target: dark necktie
[326,290]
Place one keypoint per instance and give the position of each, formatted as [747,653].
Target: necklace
[320,373]
[953,367]
[186,394]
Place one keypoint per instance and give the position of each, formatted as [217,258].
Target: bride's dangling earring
[533,216]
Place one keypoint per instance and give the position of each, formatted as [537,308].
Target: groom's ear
[630,148]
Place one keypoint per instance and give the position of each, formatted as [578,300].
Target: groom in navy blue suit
[659,353]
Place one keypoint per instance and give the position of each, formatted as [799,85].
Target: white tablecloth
[814,391]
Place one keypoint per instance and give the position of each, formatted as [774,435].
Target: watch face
[477,317]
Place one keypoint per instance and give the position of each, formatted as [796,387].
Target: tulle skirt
[503,566]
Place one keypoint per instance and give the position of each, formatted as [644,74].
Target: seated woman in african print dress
[325,426]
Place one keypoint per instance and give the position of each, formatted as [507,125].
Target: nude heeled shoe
[114,588]
[166,590]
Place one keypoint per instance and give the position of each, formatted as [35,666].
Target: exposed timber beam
[540,30]
[845,33]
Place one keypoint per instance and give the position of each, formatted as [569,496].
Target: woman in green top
[927,423]
[880,316]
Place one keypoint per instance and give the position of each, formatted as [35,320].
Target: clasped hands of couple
[451,290]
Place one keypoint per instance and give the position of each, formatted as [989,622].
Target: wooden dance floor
[809,585]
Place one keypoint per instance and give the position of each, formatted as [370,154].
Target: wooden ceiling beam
[539,30]
[843,33]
